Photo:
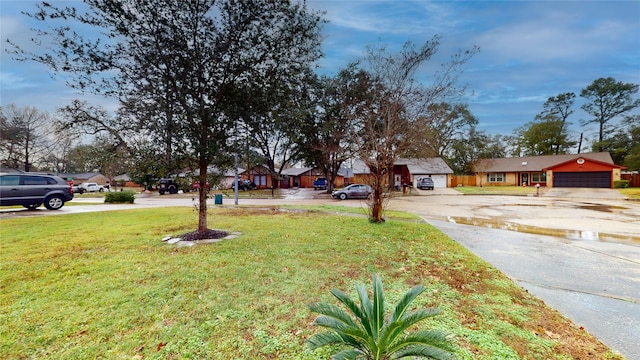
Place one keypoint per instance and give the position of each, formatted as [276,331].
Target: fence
[463,180]
[634,179]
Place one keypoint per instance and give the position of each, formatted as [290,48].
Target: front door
[524,179]
[397,181]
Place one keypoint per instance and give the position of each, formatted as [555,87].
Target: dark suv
[33,189]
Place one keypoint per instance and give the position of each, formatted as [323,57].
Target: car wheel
[54,202]
[32,206]
[342,196]
[101,190]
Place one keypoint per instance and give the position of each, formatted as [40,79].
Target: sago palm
[368,335]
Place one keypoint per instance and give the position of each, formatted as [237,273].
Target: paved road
[589,270]
[596,284]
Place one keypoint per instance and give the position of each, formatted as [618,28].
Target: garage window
[496,177]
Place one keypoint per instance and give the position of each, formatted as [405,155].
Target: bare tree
[437,129]
[24,136]
[384,116]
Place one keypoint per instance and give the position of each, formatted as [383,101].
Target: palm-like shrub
[368,335]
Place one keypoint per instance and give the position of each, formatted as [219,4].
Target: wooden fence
[634,179]
[463,180]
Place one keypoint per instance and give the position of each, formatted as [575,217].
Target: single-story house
[595,170]
[228,177]
[93,177]
[298,177]
[409,171]
[304,177]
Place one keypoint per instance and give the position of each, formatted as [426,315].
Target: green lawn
[103,285]
[498,190]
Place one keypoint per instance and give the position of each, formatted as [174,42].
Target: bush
[369,334]
[621,184]
[119,197]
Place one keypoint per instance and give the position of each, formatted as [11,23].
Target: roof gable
[425,166]
[534,163]
[584,164]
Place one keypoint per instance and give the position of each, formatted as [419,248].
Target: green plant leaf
[403,304]
[424,351]
[333,312]
[349,303]
[378,306]
[323,339]
[367,308]
[350,354]
[429,338]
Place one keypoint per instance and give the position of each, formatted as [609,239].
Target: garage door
[596,179]
[439,181]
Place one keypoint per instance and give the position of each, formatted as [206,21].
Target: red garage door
[595,179]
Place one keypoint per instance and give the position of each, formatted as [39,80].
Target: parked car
[167,185]
[91,187]
[320,183]
[195,186]
[425,183]
[34,189]
[77,189]
[245,185]
[353,191]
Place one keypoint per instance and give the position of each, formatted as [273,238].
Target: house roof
[425,166]
[296,171]
[86,175]
[415,166]
[534,163]
[225,173]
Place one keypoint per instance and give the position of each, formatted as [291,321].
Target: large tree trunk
[377,199]
[202,196]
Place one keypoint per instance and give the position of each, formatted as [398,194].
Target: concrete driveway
[579,251]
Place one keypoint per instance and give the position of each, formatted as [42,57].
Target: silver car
[353,191]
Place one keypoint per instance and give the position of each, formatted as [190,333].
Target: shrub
[621,184]
[371,336]
[119,197]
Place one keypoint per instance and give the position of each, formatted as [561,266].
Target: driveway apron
[596,284]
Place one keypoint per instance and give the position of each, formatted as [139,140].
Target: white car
[91,187]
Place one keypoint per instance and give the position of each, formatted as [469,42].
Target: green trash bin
[218,199]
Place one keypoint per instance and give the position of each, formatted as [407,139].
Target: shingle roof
[416,166]
[425,166]
[86,175]
[296,171]
[534,163]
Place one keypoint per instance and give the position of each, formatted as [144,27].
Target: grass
[103,285]
[631,193]
[498,190]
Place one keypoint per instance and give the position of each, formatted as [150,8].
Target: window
[35,180]
[260,180]
[539,177]
[496,177]
[10,180]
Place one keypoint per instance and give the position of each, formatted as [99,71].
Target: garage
[592,179]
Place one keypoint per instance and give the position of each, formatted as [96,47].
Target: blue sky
[529,50]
